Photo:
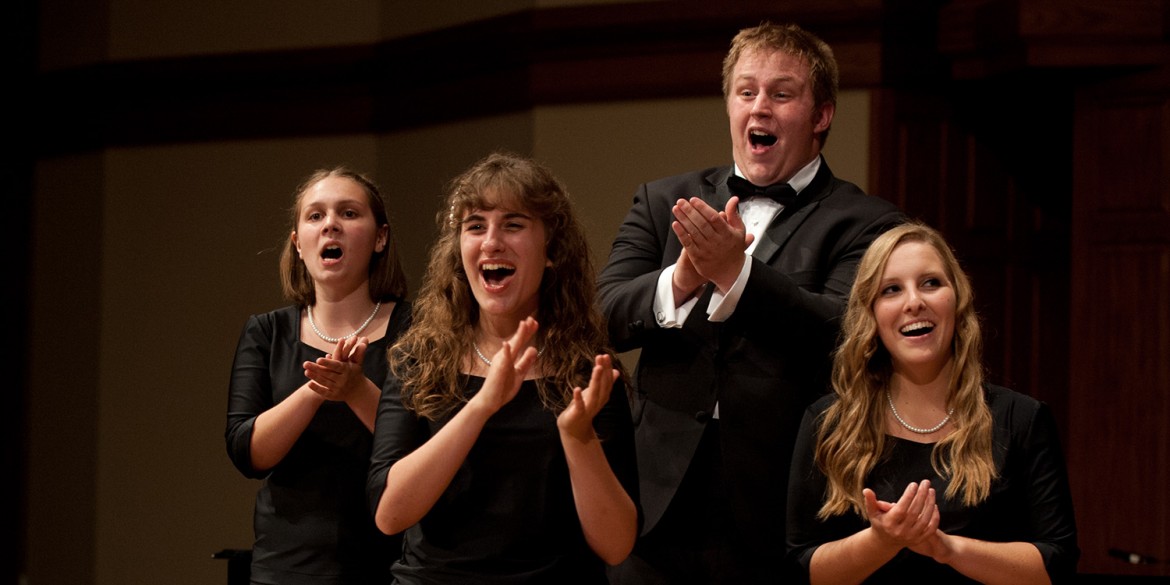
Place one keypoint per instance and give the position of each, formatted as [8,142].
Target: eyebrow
[478,216]
[782,78]
[340,203]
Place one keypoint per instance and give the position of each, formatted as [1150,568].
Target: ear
[383,237]
[295,242]
[823,117]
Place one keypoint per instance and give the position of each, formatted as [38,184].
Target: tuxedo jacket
[763,365]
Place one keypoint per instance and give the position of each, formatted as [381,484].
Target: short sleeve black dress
[311,522]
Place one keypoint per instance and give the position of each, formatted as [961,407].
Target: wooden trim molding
[643,50]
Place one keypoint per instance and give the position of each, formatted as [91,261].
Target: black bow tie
[782,193]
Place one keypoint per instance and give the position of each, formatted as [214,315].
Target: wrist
[731,272]
[946,548]
[881,541]
[479,407]
[685,288]
[577,437]
[311,396]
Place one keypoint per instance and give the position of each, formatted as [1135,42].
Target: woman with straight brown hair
[305,386]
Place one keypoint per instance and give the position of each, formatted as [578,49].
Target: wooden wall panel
[938,156]
[1120,360]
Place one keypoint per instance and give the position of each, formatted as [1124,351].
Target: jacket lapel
[787,221]
[715,191]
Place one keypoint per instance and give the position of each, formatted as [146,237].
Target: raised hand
[576,420]
[508,369]
[714,241]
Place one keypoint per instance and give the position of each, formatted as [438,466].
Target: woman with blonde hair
[503,443]
[914,466]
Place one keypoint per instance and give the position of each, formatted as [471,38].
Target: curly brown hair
[427,358]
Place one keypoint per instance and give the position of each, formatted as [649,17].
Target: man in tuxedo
[731,281]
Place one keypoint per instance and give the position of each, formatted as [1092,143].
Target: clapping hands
[338,375]
[911,522]
[713,242]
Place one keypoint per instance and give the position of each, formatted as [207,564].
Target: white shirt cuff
[723,305]
[665,313]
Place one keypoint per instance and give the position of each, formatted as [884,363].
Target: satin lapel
[787,222]
[714,191]
[779,231]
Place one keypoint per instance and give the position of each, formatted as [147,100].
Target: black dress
[311,522]
[508,515]
[1030,501]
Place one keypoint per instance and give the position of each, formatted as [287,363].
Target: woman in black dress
[504,444]
[305,387]
[915,470]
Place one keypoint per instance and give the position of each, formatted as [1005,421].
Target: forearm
[364,403]
[851,559]
[994,563]
[608,516]
[415,482]
[278,428]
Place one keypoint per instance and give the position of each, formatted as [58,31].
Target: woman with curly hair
[915,467]
[503,443]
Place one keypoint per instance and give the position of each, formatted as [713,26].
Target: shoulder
[266,330]
[847,197]
[833,192]
[1001,398]
[687,181]
[1011,409]
[282,318]
[822,404]
[401,318]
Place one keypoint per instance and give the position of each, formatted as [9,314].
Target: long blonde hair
[851,438]
[427,357]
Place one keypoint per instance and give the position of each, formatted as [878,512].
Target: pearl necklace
[483,358]
[913,429]
[361,328]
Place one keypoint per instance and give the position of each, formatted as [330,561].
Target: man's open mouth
[759,138]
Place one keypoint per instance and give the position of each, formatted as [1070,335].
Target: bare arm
[278,428]
[608,516]
[994,563]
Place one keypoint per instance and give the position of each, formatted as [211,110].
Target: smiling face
[915,310]
[774,119]
[504,254]
[336,234]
